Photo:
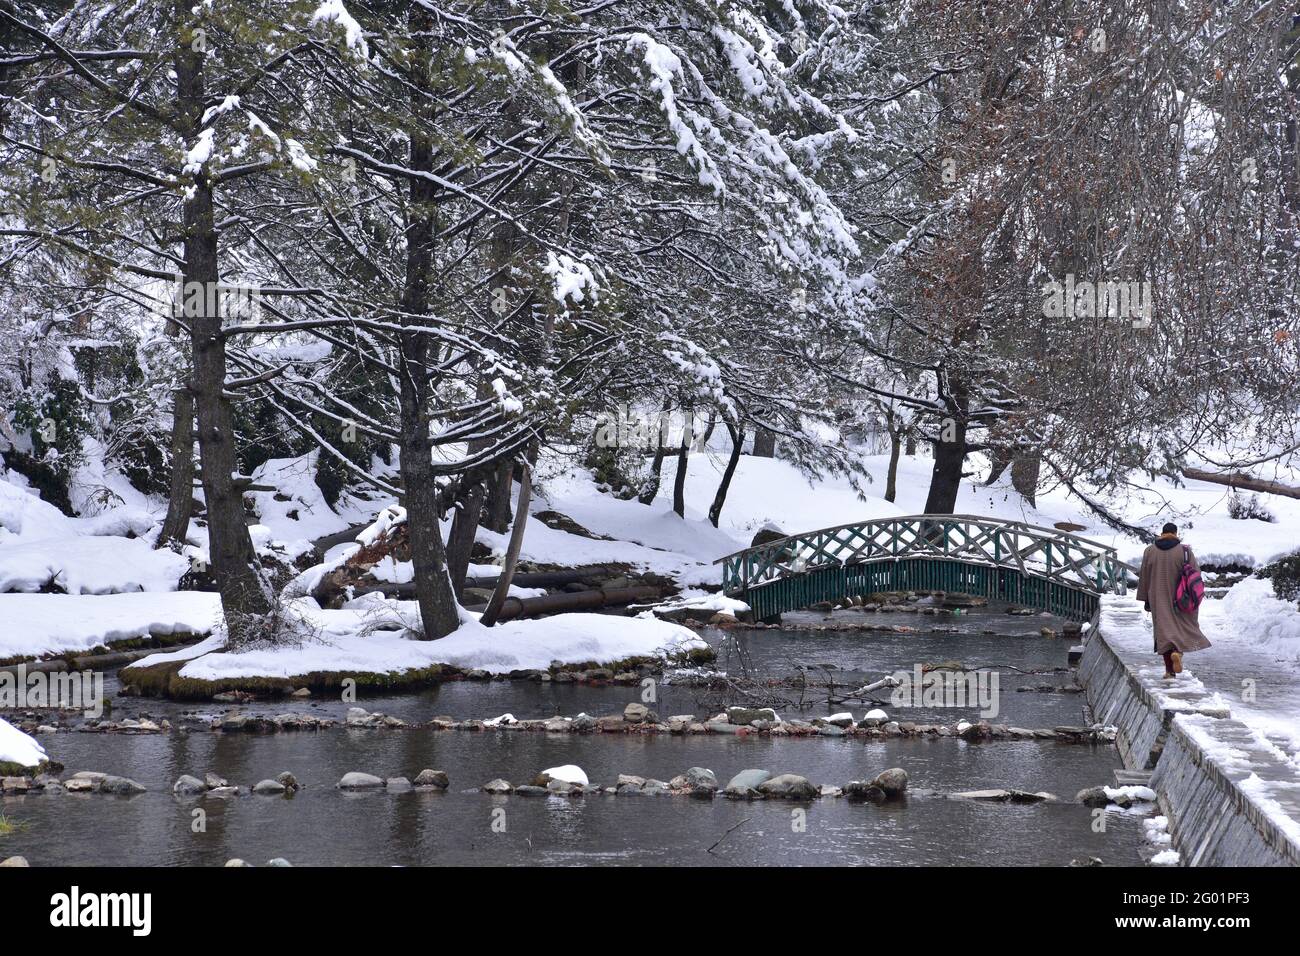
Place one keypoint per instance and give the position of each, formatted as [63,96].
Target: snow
[41,624]
[355,639]
[569,773]
[334,12]
[1130,793]
[17,747]
[1251,612]
[89,565]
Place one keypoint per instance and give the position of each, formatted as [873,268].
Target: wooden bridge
[1001,560]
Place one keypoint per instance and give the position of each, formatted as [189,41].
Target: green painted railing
[998,559]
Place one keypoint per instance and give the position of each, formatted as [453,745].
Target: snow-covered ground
[120,587]
[358,639]
[17,747]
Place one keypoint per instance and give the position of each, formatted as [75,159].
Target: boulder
[359,781]
[701,778]
[236,862]
[188,786]
[397,783]
[437,779]
[288,780]
[744,785]
[844,719]
[279,861]
[270,787]
[497,786]
[789,786]
[863,790]
[13,861]
[747,715]
[892,782]
[120,785]
[636,713]
[212,781]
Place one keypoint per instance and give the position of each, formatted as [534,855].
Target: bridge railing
[1033,551]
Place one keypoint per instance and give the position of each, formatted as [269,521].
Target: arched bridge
[1001,560]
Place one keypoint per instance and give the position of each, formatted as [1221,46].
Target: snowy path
[1257,684]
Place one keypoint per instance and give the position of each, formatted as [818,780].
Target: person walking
[1177,631]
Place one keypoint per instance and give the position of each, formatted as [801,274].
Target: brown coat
[1174,629]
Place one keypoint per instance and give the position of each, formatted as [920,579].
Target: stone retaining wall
[1213,820]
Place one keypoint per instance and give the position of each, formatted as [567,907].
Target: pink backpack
[1190,591]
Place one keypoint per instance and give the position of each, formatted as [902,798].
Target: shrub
[1244,508]
[1285,575]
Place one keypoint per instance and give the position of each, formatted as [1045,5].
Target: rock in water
[497,786]
[747,715]
[189,786]
[432,778]
[789,786]
[119,785]
[701,778]
[744,785]
[892,782]
[359,781]
[635,713]
[14,861]
[270,786]
[569,773]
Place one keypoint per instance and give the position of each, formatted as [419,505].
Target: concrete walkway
[1252,742]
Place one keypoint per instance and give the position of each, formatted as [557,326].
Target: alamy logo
[625,428]
[75,909]
[1114,300]
[945,688]
[73,690]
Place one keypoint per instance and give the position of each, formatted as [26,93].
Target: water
[324,826]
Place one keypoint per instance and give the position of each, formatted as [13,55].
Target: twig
[727,834]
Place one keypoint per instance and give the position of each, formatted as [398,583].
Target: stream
[321,825]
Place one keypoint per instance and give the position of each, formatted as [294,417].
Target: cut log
[582,601]
[1237,479]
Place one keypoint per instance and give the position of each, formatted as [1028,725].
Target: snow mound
[17,747]
[355,640]
[40,624]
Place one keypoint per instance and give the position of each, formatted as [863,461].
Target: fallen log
[514,607]
[1237,479]
[523,579]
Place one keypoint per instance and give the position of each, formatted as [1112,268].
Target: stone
[863,790]
[78,785]
[891,782]
[630,780]
[497,786]
[270,787]
[701,778]
[279,861]
[976,731]
[301,692]
[844,719]
[744,785]
[830,730]
[436,779]
[14,861]
[583,723]
[397,783]
[15,784]
[236,862]
[568,774]
[359,781]
[223,792]
[789,786]
[119,785]
[636,713]
[611,724]
[1093,797]
[1004,796]
[827,790]
[212,781]
[289,781]
[747,715]
[188,786]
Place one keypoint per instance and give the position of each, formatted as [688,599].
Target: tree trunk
[949,454]
[679,479]
[464,528]
[246,597]
[438,611]
[1024,475]
[651,487]
[496,513]
[764,443]
[180,500]
[891,479]
[1000,459]
[720,498]
[1236,479]
[911,443]
[499,595]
